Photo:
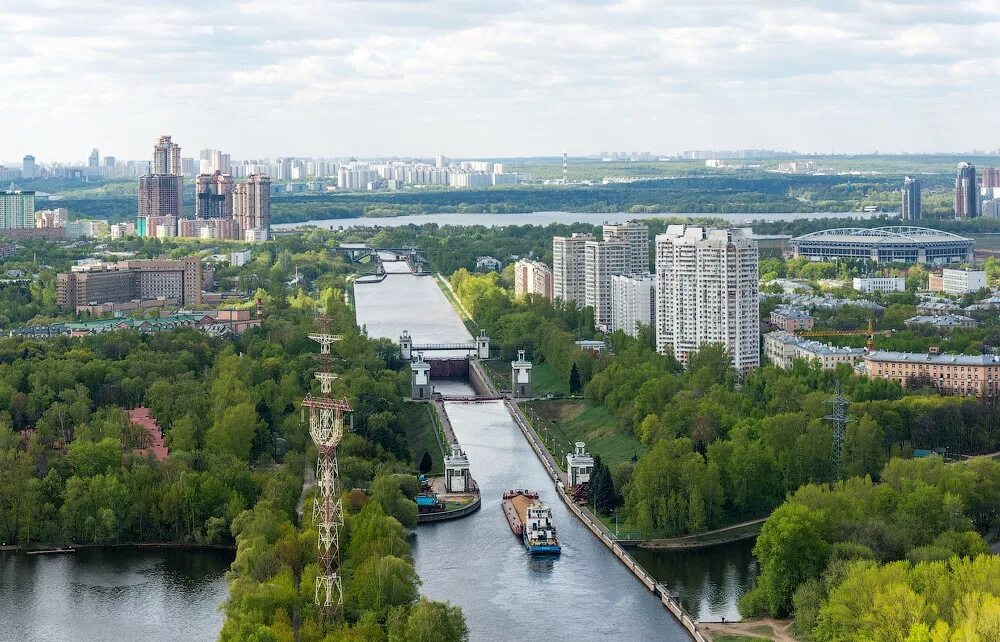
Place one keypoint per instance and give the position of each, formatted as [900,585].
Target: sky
[468,78]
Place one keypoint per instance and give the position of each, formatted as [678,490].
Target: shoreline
[69,548]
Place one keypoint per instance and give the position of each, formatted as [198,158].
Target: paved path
[780,629]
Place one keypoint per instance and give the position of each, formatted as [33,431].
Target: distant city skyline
[496,80]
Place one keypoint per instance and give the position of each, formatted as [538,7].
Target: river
[546,218]
[112,594]
[477,563]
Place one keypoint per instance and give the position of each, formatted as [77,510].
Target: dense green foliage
[924,510]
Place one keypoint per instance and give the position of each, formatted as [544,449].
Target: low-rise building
[963,281]
[789,319]
[488,263]
[958,374]
[935,282]
[783,348]
[943,322]
[937,308]
[879,284]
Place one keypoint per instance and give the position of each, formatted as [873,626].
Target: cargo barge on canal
[531,521]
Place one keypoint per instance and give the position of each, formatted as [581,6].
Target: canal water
[478,564]
[113,594]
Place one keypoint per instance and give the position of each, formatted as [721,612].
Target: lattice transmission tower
[326,427]
[839,419]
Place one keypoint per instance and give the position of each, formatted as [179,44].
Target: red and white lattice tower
[326,427]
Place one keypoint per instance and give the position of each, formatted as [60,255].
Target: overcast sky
[263,78]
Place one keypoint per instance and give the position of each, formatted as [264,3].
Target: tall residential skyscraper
[602,260]
[568,261]
[966,191]
[633,302]
[636,236]
[213,196]
[28,167]
[991,178]
[252,203]
[911,200]
[167,157]
[17,209]
[161,192]
[159,195]
[94,162]
[707,291]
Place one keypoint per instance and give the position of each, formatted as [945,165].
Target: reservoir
[478,564]
[546,218]
[112,594]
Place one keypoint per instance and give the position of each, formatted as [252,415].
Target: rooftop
[815,347]
[944,359]
[885,235]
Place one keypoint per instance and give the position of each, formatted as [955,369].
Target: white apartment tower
[707,291]
[602,260]
[568,262]
[633,302]
[636,236]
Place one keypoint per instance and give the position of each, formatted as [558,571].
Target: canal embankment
[669,600]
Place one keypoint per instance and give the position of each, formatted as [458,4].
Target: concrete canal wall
[597,528]
[444,516]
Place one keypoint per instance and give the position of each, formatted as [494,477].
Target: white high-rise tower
[707,291]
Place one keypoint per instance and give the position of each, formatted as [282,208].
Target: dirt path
[780,629]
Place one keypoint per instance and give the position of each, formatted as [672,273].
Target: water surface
[113,594]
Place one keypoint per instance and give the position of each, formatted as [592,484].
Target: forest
[70,473]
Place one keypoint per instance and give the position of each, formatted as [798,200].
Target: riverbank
[44,548]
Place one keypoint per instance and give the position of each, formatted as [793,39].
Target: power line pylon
[839,419]
[326,428]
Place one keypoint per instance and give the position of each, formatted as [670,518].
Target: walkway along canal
[478,564]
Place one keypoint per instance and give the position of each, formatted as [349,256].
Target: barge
[531,521]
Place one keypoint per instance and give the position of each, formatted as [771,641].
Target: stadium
[899,244]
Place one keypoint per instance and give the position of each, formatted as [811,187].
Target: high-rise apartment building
[991,178]
[28,167]
[966,191]
[213,196]
[252,204]
[160,195]
[213,160]
[533,277]
[569,281]
[910,211]
[602,260]
[94,161]
[633,302]
[636,236]
[707,291]
[167,157]
[161,192]
[17,209]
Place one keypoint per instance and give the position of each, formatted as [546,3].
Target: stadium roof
[893,234]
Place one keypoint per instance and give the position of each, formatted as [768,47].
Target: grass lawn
[422,435]
[572,420]
[545,380]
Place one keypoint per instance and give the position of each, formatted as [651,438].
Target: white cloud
[262,78]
